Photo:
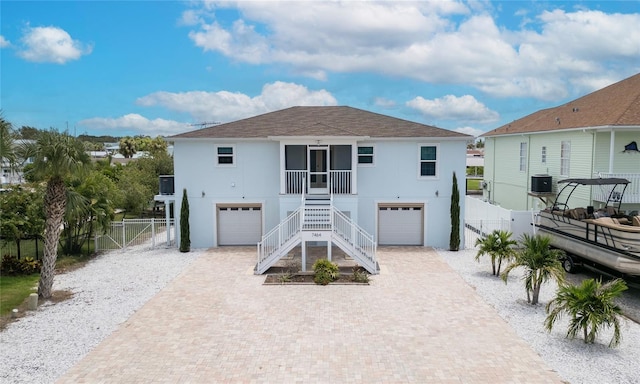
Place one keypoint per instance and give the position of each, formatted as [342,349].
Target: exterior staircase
[317,220]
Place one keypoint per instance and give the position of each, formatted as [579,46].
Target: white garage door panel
[239,225]
[400,226]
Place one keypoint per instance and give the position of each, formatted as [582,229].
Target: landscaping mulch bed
[307,279]
[274,276]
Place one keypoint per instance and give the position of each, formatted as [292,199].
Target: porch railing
[631,194]
[340,182]
[294,182]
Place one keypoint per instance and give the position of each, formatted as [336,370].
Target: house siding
[510,187]
[255,178]
[622,162]
[507,184]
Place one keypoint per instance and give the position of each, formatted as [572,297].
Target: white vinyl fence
[129,232]
[481,218]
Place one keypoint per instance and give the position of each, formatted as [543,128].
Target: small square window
[365,155]
[225,155]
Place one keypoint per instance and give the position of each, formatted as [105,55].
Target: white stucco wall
[255,178]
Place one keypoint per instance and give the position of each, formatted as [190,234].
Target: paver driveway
[418,321]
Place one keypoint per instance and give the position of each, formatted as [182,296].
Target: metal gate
[129,232]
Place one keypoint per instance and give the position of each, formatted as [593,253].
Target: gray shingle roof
[615,105]
[320,121]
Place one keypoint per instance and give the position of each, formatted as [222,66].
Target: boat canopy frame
[572,184]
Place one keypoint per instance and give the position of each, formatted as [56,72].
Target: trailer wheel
[568,264]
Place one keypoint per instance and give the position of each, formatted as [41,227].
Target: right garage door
[400,224]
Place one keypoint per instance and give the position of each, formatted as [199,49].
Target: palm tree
[56,156]
[591,305]
[540,262]
[128,147]
[7,152]
[499,246]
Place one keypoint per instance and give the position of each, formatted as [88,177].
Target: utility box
[166,185]
[541,184]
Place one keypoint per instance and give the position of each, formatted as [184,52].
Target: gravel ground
[109,289]
[575,361]
[41,346]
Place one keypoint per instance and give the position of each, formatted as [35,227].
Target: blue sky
[157,67]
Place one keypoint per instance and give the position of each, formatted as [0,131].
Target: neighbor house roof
[320,121]
[615,105]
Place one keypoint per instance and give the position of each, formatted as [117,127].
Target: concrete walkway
[417,322]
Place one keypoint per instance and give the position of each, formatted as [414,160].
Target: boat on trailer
[604,239]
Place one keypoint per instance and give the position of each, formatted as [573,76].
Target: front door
[318,170]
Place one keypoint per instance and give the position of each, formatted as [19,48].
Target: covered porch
[317,168]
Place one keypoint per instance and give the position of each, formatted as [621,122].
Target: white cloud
[450,42]
[384,102]
[450,107]
[136,123]
[227,106]
[475,132]
[52,45]
[4,42]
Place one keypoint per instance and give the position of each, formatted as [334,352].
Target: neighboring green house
[596,135]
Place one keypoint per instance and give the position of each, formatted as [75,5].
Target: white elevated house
[321,175]
[596,135]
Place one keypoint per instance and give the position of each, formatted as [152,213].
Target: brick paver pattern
[417,321]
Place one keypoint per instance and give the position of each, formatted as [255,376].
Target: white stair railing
[362,246]
[273,244]
[317,217]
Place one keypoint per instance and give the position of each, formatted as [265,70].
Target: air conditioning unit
[541,184]
[167,185]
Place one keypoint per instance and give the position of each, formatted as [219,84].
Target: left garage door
[239,225]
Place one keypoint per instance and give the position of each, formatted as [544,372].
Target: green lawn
[473,184]
[14,290]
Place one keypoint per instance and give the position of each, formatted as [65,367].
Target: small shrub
[285,277]
[29,265]
[360,275]
[11,265]
[325,271]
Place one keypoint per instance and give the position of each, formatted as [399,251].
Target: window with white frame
[565,156]
[543,155]
[428,160]
[365,155]
[523,157]
[225,154]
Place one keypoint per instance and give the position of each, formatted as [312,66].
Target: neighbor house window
[428,160]
[523,157]
[365,155]
[225,155]
[543,158]
[565,156]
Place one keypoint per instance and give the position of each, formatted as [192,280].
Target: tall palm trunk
[55,202]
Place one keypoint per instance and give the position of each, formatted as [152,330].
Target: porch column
[329,250]
[354,169]
[303,255]
[167,205]
[611,150]
[283,175]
